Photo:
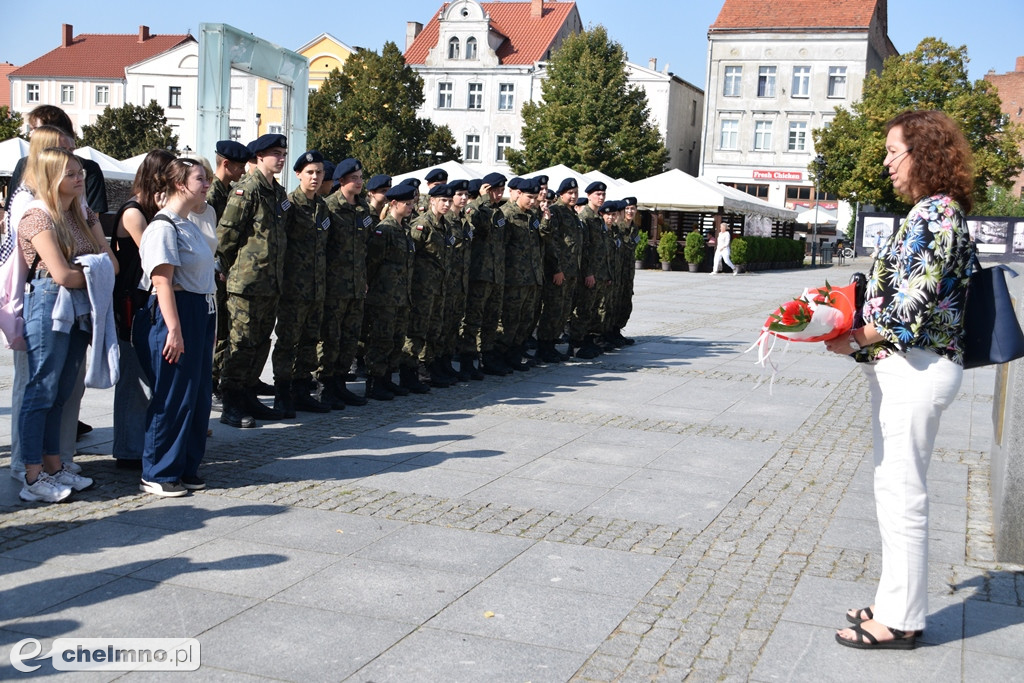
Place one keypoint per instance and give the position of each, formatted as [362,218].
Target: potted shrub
[668,245]
[738,250]
[640,250]
[693,252]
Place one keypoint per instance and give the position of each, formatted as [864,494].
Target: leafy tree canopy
[933,76]
[591,118]
[124,132]
[368,111]
[10,124]
[1000,202]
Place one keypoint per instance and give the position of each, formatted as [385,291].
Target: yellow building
[325,53]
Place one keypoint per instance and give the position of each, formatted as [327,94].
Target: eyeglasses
[80,173]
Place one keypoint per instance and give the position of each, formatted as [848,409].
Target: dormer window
[471,48]
[453,48]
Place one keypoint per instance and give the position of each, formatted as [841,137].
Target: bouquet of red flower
[816,315]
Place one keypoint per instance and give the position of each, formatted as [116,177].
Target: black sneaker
[193,483]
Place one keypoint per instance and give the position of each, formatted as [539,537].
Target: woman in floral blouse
[912,349]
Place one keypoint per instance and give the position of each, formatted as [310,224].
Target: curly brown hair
[943,162]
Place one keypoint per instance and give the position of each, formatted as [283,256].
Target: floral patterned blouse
[918,283]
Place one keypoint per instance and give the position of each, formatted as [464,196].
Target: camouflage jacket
[462,230]
[430,234]
[346,247]
[564,241]
[217,196]
[251,236]
[305,259]
[389,256]
[524,258]
[596,259]
[487,259]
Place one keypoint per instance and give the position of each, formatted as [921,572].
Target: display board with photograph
[989,235]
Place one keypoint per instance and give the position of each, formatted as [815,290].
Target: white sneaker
[164,489]
[74,481]
[18,475]
[45,489]
[72,467]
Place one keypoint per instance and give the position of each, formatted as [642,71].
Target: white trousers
[720,255]
[908,394]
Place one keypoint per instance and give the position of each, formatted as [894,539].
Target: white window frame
[797,139]
[454,48]
[472,147]
[733,133]
[32,93]
[103,100]
[506,96]
[445,92]
[762,136]
[502,143]
[801,82]
[471,48]
[766,76]
[837,82]
[67,93]
[276,129]
[235,133]
[732,81]
[475,97]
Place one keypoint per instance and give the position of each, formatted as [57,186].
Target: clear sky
[674,31]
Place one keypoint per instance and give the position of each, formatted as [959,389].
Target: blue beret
[345,167]
[328,169]
[402,192]
[529,186]
[568,184]
[629,201]
[581,201]
[233,150]
[459,186]
[513,183]
[442,190]
[414,182]
[310,157]
[474,186]
[597,186]
[494,179]
[380,181]
[437,175]
[265,142]
[549,195]
[608,207]
[542,179]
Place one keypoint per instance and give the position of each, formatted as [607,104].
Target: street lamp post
[819,164]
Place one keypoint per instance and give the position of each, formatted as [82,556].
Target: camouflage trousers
[421,340]
[454,310]
[252,322]
[623,307]
[517,310]
[220,347]
[480,322]
[591,311]
[339,336]
[556,307]
[385,337]
[297,332]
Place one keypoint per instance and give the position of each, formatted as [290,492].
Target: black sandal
[856,617]
[902,640]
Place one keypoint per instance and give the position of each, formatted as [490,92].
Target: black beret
[232,150]
[380,181]
[549,195]
[581,201]
[345,167]
[459,186]
[529,186]
[609,207]
[568,184]
[310,157]
[402,192]
[629,201]
[265,142]
[494,179]
[597,186]
[328,169]
[514,183]
[437,175]
[414,182]
[474,186]
[542,179]
[441,191]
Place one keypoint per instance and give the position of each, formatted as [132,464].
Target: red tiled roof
[527,39]
[98,55]
[790,14]
[5,85]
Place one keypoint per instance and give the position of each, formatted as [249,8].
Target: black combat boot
[513,358]
[429,375]
[376,389]
[341,391]
[396,389]
[329,394]
[284,399]
[445,363]
[305,401]
[258,409]
[410,380]
[546,352]
[585,350]
[467,363]
[234,412]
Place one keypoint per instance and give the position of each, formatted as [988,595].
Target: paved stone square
[662,512]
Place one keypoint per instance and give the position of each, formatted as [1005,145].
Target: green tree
[590,117]
[933,76]
[1000,201]
[123,132]
[368,111]
[10,124]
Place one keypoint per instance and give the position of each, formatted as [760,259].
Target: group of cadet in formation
[332,281]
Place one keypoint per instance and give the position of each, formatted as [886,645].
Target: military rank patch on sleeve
[285,205]
[366,221]
[325,224]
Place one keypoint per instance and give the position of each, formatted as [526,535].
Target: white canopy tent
[818,215]
[111,167]
[675,190]
[11,151]
[455,170]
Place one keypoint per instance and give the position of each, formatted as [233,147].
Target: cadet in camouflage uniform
[581,343]
[389,260]
[457,285]
[300,311]
[231,158]
[430,233]
[251,240]
[434,177]
[629,230]
[346,284]
[563,247]
[486,279]
[524,273]
[605,248]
